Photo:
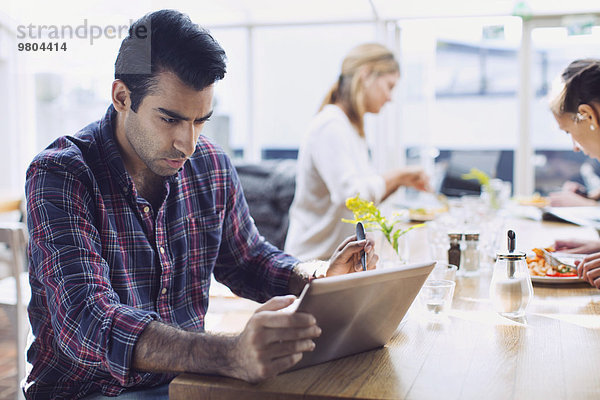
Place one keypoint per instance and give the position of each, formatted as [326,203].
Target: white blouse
[333,165]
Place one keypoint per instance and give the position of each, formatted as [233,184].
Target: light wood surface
[551,353]
[9,203]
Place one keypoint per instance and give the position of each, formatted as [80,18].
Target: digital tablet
[359,311]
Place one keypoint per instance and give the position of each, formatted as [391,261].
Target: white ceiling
[265,12]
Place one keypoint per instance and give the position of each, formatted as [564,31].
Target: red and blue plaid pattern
[103,263]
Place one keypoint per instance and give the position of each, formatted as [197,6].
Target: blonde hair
[348,90]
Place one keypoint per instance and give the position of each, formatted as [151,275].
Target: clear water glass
[436,296]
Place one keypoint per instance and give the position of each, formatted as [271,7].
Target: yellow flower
[479,175]
[484,181]
[367,213]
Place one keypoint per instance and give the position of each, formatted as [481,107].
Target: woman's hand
[414,177]
[570,186]
[570,199]
[588,269]
[346,258]
[577,246]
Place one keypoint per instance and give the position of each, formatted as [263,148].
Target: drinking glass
[436,296]
[437,237]
[443,271]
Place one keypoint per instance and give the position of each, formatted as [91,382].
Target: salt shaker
[454,250]
[511,289]
[470,255]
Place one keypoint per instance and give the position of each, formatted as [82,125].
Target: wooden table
[551,353]
[10,202]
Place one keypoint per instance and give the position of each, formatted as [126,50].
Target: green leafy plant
[485,182]
[371,217]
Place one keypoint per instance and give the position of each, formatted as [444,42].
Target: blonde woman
[333,162]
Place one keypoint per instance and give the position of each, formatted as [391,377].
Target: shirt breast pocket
[204,239]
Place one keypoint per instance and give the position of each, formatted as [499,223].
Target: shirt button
[146,209]
[164,291]
[162,250]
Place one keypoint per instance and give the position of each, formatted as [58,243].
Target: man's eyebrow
[205,118]
[175,115]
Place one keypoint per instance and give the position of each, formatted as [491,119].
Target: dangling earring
[592,127]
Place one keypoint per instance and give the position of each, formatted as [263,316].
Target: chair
[15,289]
[269,190]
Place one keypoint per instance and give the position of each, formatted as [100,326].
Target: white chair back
[14,235]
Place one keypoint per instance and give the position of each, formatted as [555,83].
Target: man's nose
[186,138]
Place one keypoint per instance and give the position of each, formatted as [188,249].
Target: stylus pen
[360,235]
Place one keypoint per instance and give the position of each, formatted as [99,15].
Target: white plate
[568,259]
[422,217]
[556,279]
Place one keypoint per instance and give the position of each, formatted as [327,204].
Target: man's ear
[120,96]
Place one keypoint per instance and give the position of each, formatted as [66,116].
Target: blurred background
[473,91]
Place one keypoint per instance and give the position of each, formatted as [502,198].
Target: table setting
[481,327]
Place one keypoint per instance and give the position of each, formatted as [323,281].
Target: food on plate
[425,214]
[539,267]
[535,200]
[421,214]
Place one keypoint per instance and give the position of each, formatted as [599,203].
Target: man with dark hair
[129,218]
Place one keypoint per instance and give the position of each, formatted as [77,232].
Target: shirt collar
[111,153]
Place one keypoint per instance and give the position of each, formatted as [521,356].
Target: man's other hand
[272,341]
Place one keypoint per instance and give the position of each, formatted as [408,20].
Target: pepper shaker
[454,250]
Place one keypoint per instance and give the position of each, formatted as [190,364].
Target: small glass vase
[388,257]
[497,194]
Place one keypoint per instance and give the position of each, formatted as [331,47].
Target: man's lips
[175,163]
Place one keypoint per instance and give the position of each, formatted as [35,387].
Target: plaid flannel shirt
[103,264]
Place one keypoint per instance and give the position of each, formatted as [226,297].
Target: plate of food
[425,214]
[562,271]
[421,214]
[536,200]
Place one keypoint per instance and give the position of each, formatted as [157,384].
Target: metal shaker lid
[516,255]
[471,236]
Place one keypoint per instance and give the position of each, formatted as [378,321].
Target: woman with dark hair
[576,107]
[572,193]
[333,163]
